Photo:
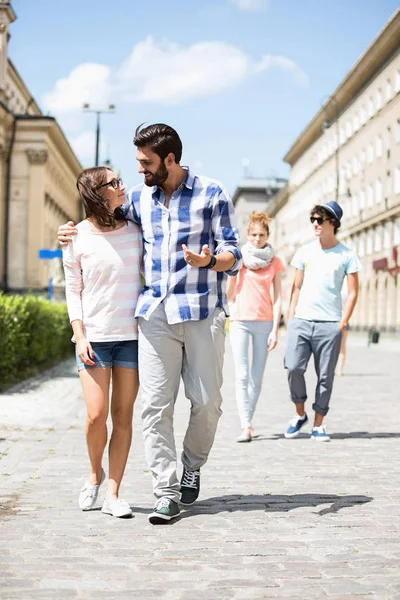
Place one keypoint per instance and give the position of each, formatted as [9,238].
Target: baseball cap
[335,209]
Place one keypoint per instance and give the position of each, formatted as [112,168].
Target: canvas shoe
[116,508]
[164,510]
[190,486]
[319,434]
[88,494]
[295,425]
[245,436]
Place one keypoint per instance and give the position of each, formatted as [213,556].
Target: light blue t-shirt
[324,273]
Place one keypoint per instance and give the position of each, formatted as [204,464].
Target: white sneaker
[244,436]
[319,434]
[116,508]
[88,494]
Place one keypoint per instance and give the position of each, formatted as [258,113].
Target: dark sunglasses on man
[319,220]
[115,183]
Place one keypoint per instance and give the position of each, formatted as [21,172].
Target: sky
[238,79]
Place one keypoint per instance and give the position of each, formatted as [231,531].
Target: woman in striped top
[102,277]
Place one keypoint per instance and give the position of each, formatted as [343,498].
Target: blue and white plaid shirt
[200,212]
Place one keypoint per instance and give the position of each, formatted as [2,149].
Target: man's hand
[65,233]
[197,260]
[342,326]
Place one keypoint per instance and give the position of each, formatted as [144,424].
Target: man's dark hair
[161,139]
[326,214]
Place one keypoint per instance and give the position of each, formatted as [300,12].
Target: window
[370,153]
[348,171]
[342,185]
[397,180]
[388,90]
[397,81]
[361,245]
[378,191]
[362,157]
[388,184]
[386,235]
[356,122]
[369,241]
[363,115]
[377,239]
[362,199]
[388,137]
[370,107]
[396,232]
[378,99]
[379,146]
[398,131]
[348,129]
[370,196]
[341,136]
[354,206]
[355,166]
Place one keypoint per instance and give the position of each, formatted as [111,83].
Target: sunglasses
[115,184]
[319,220]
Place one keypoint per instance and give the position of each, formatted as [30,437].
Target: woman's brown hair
[96,207]
[260,218]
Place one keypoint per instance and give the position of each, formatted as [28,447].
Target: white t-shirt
[324,273]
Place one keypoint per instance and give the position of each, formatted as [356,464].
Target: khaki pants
[193,350]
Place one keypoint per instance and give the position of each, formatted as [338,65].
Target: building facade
[254,194]
[350,152]
[38,172]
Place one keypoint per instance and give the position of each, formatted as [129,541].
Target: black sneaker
[164,510]
[190,486]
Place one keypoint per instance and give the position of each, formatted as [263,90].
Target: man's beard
[158,177]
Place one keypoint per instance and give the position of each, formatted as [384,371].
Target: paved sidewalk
[276,519]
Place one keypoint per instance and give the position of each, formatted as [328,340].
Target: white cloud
[167,73]
[250,5]
[270,61]
[86,83]
[162,73]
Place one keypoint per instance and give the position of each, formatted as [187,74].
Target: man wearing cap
[316,318]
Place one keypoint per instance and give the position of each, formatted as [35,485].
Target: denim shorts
[112,354]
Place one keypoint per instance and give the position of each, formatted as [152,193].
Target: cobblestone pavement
[276,518]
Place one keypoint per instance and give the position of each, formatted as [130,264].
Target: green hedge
[34,334]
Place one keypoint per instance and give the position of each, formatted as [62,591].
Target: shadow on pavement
[361,375]
[274,503]
[335,436]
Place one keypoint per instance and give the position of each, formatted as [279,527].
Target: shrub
[34,334]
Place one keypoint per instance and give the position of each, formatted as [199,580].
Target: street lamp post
[110,109]
[326,125]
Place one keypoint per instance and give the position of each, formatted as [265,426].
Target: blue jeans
[249,373]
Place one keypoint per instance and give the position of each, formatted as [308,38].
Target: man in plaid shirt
[190,245]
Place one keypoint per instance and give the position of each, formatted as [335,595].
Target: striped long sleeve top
[102,278]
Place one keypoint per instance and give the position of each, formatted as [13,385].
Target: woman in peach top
[255,317]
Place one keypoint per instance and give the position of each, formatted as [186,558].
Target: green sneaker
[190,486]
[164,510]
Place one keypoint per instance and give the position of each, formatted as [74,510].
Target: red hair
[260,218]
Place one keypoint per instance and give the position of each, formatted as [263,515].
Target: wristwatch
[212,263]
